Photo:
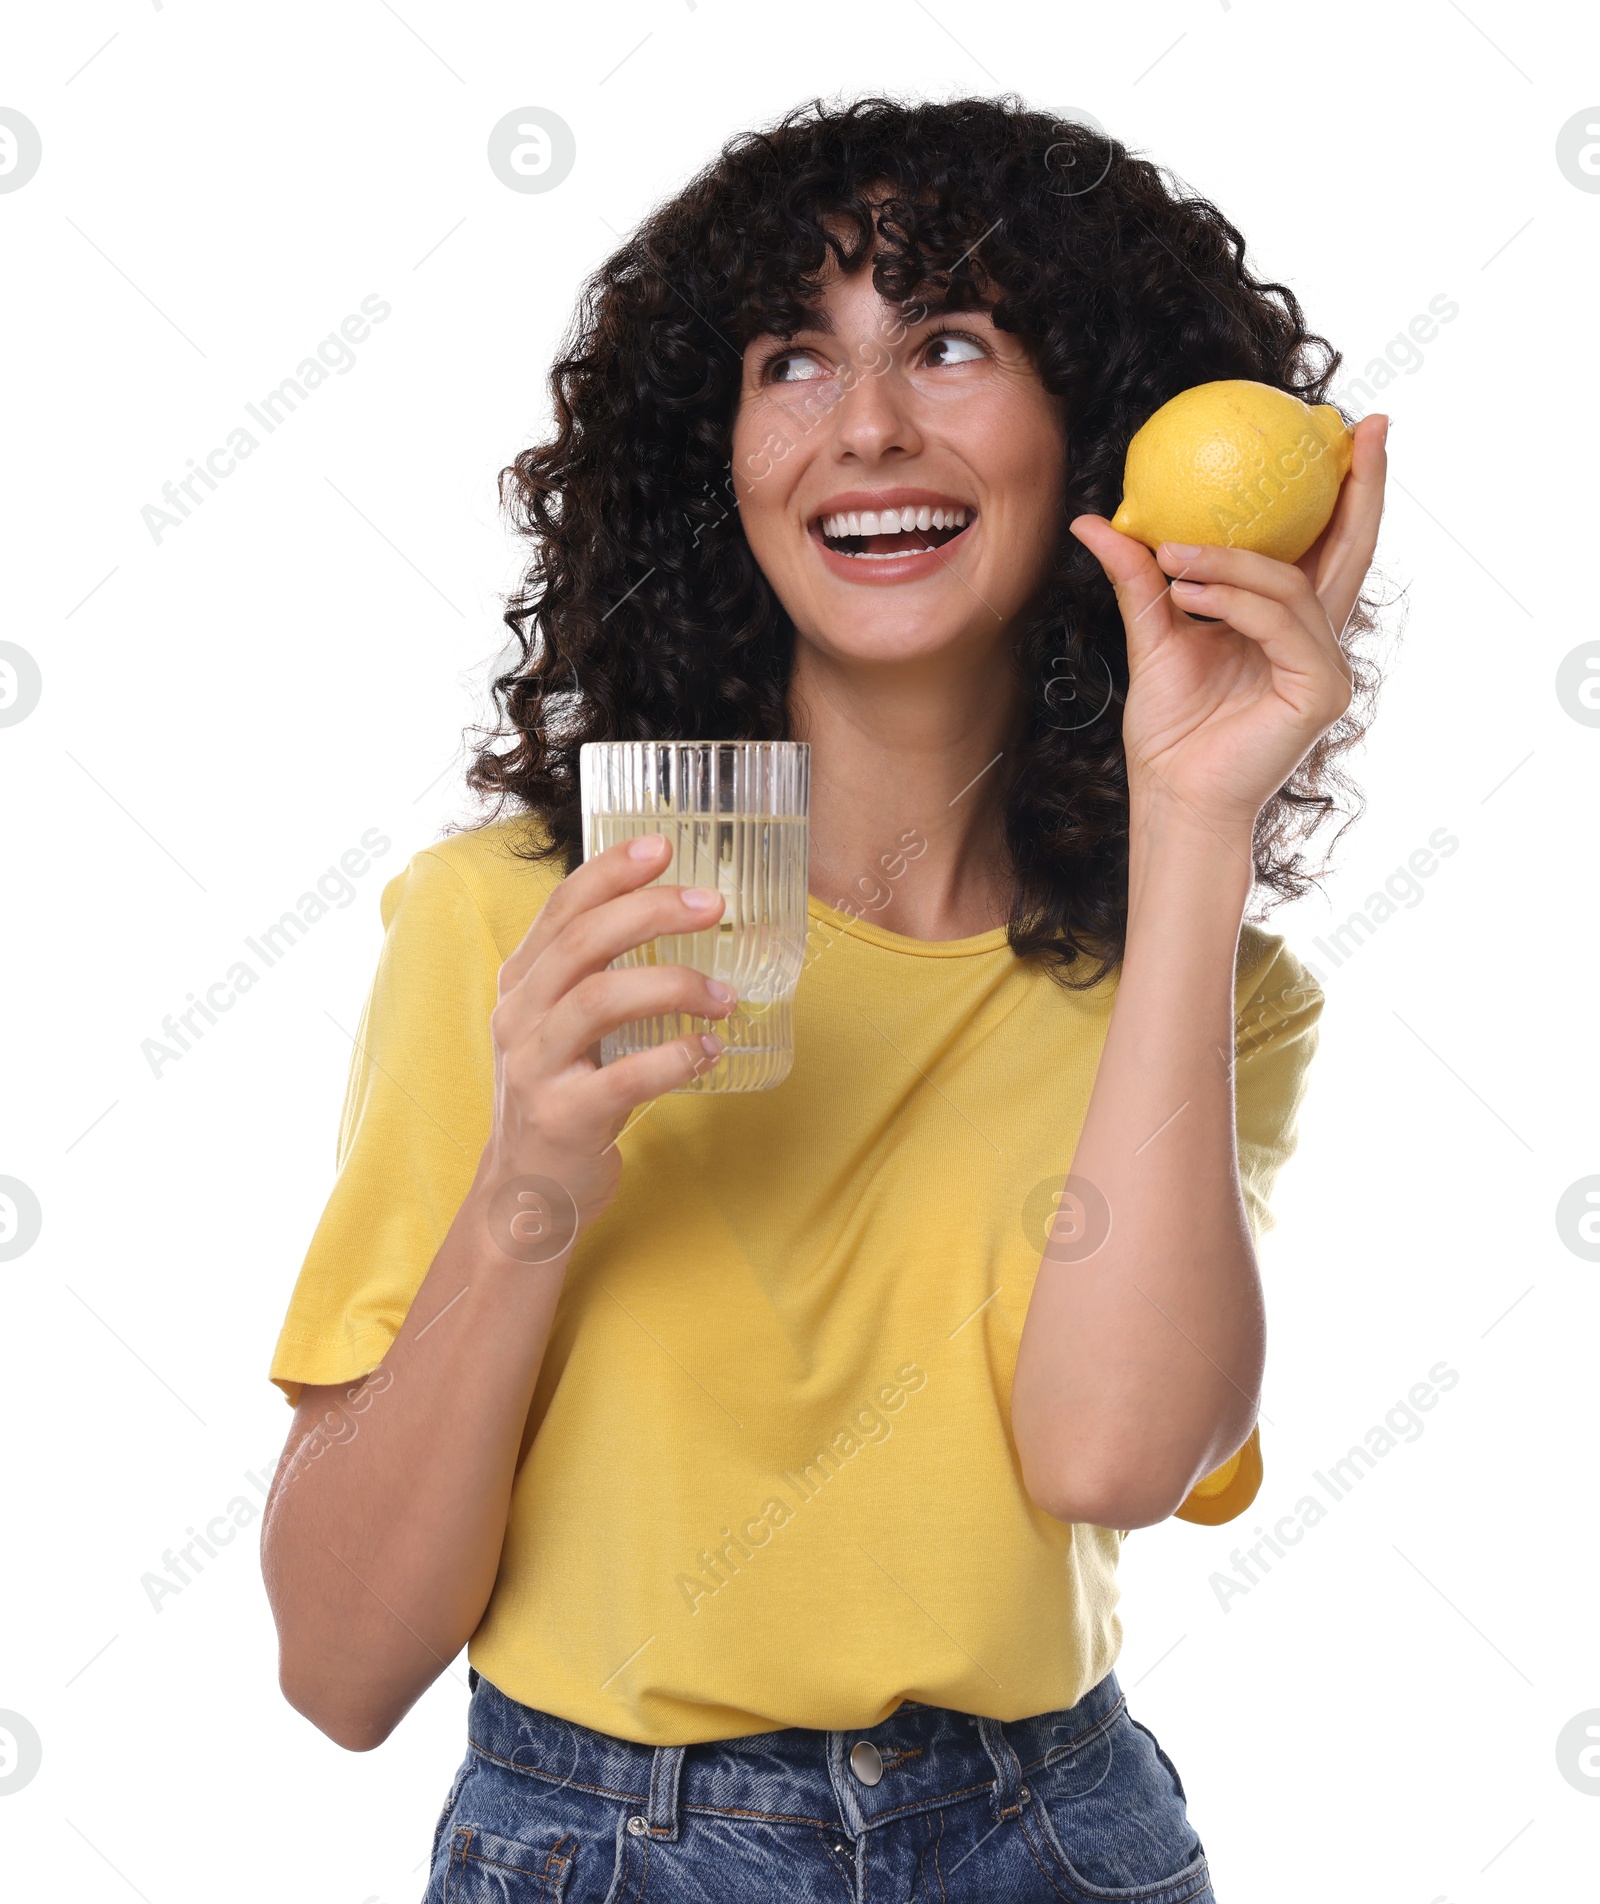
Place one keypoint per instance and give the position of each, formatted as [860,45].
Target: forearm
[383,1532]
[1139,1366]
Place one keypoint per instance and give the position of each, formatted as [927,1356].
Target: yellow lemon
[1236,464]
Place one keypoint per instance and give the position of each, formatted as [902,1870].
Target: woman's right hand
[557,1110]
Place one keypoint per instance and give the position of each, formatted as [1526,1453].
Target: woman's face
[899,475]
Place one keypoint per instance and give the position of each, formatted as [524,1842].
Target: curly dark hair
[642,613]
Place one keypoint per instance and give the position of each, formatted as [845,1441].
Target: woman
[780,1499]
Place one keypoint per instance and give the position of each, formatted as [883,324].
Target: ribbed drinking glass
[735,813]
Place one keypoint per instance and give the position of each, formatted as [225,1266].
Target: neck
[908,776]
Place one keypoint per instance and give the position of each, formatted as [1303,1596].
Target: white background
[226,712]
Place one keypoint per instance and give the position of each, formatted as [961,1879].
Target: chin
[901,634]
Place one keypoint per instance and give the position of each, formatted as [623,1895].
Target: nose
[875,414]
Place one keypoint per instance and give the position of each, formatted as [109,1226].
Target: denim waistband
[930,1756]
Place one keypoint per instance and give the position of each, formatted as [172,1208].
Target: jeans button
[866,1761]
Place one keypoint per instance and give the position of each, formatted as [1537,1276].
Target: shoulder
[485,871]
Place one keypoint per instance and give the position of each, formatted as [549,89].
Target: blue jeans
[930,1807]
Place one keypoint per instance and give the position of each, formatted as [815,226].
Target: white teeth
[870,522]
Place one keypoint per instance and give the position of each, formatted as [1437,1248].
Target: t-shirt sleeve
[417,1113]
[1275,1038]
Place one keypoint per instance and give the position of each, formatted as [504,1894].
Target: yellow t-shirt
[768,1476]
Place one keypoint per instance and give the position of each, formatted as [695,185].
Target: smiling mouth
[879,535]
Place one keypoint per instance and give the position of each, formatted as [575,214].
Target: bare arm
[1140,1363]
[383,1530]
[382,1535]
[1139,1369]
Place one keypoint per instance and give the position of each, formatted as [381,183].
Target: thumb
[1141,588]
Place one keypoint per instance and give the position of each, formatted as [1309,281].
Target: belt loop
[473,1676]
[1008,1768]
[662,1814]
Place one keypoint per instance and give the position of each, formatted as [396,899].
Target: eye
[792,366]
[951,347]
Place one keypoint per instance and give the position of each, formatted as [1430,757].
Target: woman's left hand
[1220,713]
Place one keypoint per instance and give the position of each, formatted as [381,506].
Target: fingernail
[711,1044]
[1184,551]
[719,991]
[648,846]
[698,899]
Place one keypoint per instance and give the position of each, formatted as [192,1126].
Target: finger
[1140,586]
[619,869]
[609,1094]
[1305,673]
[590,1107]
[589,940]
[1345,549]
[602,1002]
[1240,568]
[1280,582]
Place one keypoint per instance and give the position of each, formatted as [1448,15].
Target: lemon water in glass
[735,814]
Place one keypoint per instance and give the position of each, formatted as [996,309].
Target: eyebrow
[821,320]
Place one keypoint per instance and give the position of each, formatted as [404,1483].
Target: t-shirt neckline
[990,941]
